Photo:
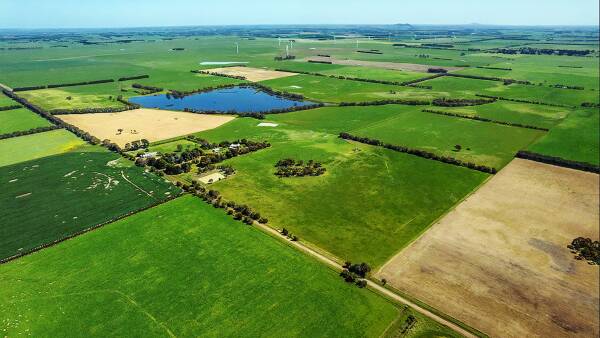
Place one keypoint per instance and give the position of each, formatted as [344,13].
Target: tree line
[148,89]
[137,77]
[57,85]
[237,77]
[541,51]
[13,107]
[239,212]
[494,68]
[257,115]
[28,132]
[359,79]
[298,168]
[490,78]
[557,161]
[448,102]
[385,102]
[483,119]
[524,101]
[420,153]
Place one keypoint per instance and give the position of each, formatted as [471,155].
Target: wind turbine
[237,48]
[356,43]
[291,44]
[279,38]
[287,50]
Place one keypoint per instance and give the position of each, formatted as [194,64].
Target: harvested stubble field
[149,124]
[503,253]
[251,74]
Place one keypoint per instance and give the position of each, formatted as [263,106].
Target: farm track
[372,285]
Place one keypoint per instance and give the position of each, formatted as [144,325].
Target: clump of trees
[437,70]
[204,156]
[420,153]
[586,249]
[298,168]
[135,145]
[447,102]
[285,58]
[286,233]
[147,89]
[355,273]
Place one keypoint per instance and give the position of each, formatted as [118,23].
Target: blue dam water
[235,100]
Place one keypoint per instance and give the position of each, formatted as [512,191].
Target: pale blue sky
[138,13]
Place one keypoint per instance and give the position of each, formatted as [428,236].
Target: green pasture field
[577,138]
[6,101]
[185,269]
[35,146]
[378,200]
[20,120]
[81,97]
[513,112]
[66,193]
[548,70]
[350,71]
[327,89]
[482,143]
[467,88]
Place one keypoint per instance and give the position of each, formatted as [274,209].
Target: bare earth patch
[412,67]
[499,262]
[150,124]
[251,74]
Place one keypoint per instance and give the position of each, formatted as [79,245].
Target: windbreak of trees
[285,58]
[13,107]
[590,105]
[447,102]
[257,115]
[561,86]
[541,51]
[90,110]
[58,85]
[237,77]
[586,249]
[54,120]
[420,153]
[437,70]
[489,78]
[298,168]
[28,132]
[524,101]
[483,119]
[147,89]
[358,79]
[557,161]
[138,77]
[372,51]
[239,212]
[386,102]
[135,145]
[494,68]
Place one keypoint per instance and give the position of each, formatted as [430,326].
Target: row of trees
[386,102]
[490,78]
[373,51]
[437,70]
[147,89]
[494,68]
[523,101]
[135,145]
[298,168]
[561,162]
[285,58]
[359,79]
[12,107]
[205,72]
[479,118]
[28,132]
[257,115]
[561,86]
[542,51]
[181,94]
[420,153]
[57,85]
[239,212]
[586,249]
[448,102]
[137,77]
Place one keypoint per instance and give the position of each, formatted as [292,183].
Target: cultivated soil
[412,67]
[499,262]
[251,74]
[150,124]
